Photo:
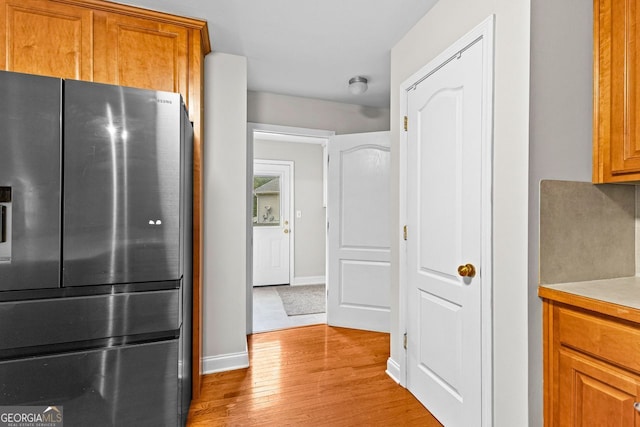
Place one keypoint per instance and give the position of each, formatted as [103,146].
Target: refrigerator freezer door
[29,181]
[121,185]
[59,321]
[128,385]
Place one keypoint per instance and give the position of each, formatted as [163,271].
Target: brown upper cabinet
[616,88]
[47,38]
[96,40]
[139,52]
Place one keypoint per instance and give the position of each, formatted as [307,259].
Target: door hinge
[406,123]
[405,232]
[404,341]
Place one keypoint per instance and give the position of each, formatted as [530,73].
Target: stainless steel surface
[186,193]
[184,364]
[30,166]
[133,385]
[122,185]
[95,277]
[60,320]
[83,291]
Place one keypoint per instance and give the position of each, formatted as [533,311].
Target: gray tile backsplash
[587,231]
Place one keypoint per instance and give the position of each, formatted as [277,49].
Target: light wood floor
[310,376]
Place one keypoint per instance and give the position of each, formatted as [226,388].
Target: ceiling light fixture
[357,85]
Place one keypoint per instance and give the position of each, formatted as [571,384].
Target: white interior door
[446,123]
[358,242]
[271,222]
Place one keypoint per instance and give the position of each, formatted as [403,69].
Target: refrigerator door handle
[5,197]
[5,194]
[3,224]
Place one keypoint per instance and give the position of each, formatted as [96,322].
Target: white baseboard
[393,370]
[308,280]
[225,362]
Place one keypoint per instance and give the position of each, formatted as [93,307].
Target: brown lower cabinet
[591,362]
[106,42]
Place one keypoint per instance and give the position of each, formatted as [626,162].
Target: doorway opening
[287,197]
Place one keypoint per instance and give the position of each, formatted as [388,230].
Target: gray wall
[560,134]
[309,230]
[283,110]
[225,195]
[447,21]
[227,163]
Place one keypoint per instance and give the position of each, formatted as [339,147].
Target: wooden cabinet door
[46,38]
[592,393]
[616,91]
[143,53]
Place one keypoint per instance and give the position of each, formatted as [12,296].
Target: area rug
[303,299]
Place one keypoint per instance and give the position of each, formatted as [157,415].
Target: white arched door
[448,256]
[358,245]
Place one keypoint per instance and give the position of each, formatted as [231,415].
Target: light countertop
[619,297]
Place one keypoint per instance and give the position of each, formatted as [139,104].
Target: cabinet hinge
[405,232]
[406,123]
[404,341]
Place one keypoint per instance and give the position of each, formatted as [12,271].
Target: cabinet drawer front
[615,342]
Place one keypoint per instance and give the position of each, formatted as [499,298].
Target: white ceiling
[308,48]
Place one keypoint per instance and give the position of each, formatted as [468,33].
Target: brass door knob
[467,270]
[286,230]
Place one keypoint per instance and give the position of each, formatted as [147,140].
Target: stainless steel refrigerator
[95,251]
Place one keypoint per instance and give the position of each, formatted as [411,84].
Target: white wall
[283,110]
[447,21]
[310,228]
[225,195]
[560,134]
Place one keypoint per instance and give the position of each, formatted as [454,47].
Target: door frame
[291,188]
[484,31]
[290,134]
